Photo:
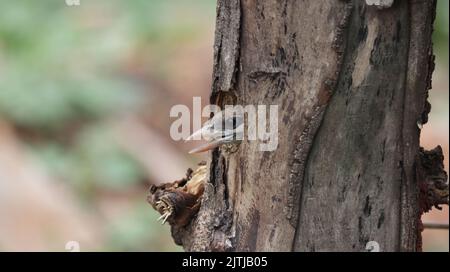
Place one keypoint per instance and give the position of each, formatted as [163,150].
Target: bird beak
[204,131]
[205,147]
[211,145]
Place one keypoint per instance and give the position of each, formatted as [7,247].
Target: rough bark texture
[351,82]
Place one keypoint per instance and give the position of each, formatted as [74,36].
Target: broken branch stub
[432,179]
[178,202]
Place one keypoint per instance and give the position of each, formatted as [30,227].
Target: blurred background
[85,94]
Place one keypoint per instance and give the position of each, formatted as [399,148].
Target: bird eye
[232,123]
[237,121]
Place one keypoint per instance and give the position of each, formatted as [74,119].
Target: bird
[179,201]
[225,128]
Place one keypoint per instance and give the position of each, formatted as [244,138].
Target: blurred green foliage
[94,162]
[52,69]
[64,76]
[440,34]
[60,63]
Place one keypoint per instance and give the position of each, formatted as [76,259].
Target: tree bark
[351,82]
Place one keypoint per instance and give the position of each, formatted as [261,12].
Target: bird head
[226,127]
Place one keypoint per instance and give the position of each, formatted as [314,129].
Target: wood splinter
[433,179]
[179,201]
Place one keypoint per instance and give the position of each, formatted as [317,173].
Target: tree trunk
[351,82]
